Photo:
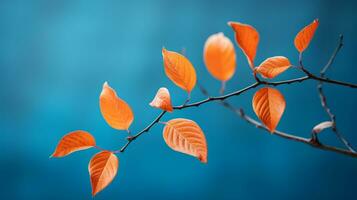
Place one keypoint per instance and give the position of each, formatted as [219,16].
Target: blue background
[55,56]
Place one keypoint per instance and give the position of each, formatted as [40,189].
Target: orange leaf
[186,136]
[116,112]
[304,37]
[162,100]
[247,38]
[269,106]
[220,57]
[273,66]
[102,169]
[179,70]
[72,142]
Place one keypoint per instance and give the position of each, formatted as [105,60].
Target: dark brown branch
[323,98]
[236,93]
[258,82]
[332,118]
[146,129]
[308,141]
[333,56]
[218,98]
[311,141]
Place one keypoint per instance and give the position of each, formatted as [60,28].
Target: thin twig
[323,98]
[333,56]
[187,99]
[308,141]
[146,129]
[332,118]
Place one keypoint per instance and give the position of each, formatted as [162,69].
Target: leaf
[304,37]
[186,136]
[116,112]
[72,142]
[220,57]
[321,126]
[273,66]
[162,100]
[102,169]
[179,70]
[269,106]
[247,38]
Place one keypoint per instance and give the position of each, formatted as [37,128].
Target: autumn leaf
[269,106]
[220,57]
[304,37]
[322,126]
[186,136]
[247,38]
[179,70]
[102,169]
[273,66]
[72,142]
[116,112]
[162,100]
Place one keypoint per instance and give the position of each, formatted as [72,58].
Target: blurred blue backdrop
[55,56]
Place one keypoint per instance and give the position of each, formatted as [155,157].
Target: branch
[309,76]
[333,56]
[130,139]
[309,141]
[332,118]
[323,98]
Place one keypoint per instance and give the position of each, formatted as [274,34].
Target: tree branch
[332,118]
[323,98]
[146,129]
[333,56]
[309,76]
[130,139]
[308,141]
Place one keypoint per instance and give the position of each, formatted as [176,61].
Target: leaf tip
[163,50]
[202,158]
[230,23]
[105,84]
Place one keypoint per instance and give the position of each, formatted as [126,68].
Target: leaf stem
[223,87]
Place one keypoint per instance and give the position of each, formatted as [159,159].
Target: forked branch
[309,76]
[323,98]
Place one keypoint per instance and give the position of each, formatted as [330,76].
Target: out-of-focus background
[55,56]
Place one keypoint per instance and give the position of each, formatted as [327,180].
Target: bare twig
[308,141]
[333,56]
[332,118]
[323,98]
[146,129]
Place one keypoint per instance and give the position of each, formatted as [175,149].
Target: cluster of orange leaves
[184,135]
